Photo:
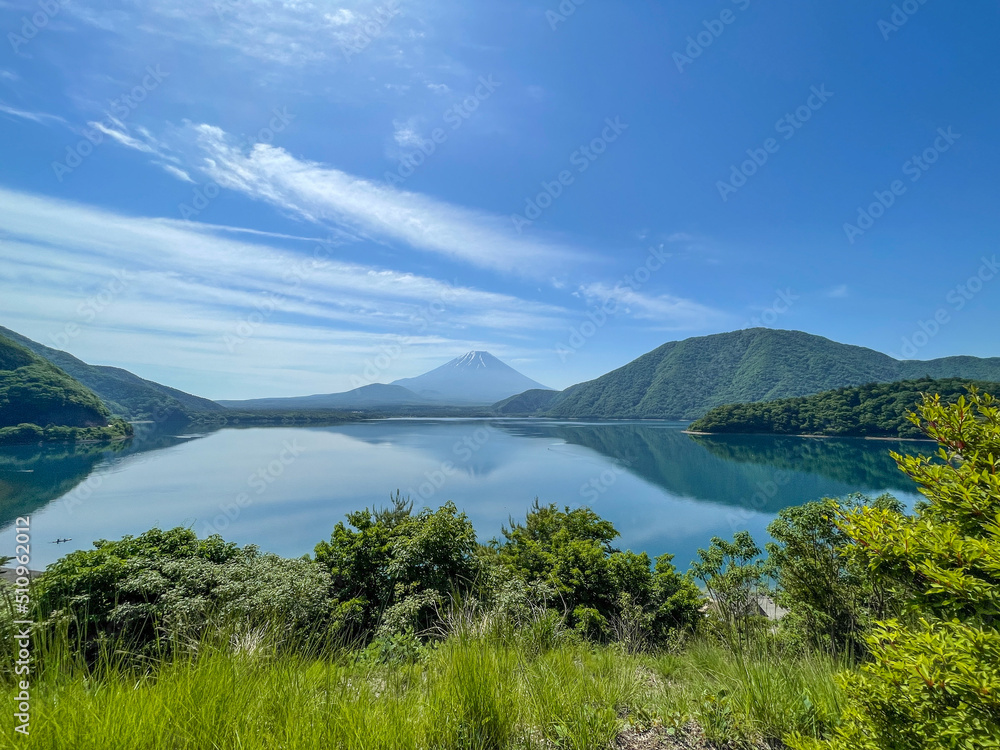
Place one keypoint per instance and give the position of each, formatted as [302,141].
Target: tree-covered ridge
[529,402]
[685,379]
[39,402]
[873,410]
[124,393]
[33,391]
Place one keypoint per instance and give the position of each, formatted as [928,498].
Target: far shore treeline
[873,410]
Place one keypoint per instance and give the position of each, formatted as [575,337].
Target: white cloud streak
[40,117]
[321,193]
[667,311]
[327,196]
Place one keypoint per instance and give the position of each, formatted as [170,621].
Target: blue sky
[279,197]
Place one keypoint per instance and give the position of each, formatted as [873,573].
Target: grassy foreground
[540,689]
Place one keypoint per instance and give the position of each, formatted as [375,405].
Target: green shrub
[735,577]
[934,678]
[831,598]
[401,564]
[137,592]
[598,588]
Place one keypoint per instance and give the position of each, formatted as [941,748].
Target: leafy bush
[831,598]
[399,563]
[734,576]
[140,591]
[597,587]
[934,678]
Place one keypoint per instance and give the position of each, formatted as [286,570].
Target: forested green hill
[684,379]
[874,410]
[529,402]
[123,392]
[34,391]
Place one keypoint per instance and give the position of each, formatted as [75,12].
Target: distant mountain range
[125,394]
[680,380]
[474,379]
[684,379]
[371,396]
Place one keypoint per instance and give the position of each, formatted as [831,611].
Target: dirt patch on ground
[686,738]
[689,737]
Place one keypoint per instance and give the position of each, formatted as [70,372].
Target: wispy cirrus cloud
[121,135]
[180,174]
[41,118]
[361,208]
[285,32]
[667,311]
[319,192]
[323,194]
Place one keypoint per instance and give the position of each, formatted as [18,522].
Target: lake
[283,489]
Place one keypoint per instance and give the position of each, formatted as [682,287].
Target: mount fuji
[474,378]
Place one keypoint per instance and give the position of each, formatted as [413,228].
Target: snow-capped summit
[475,359]
[476,377]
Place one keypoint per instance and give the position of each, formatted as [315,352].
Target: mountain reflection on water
[665,490]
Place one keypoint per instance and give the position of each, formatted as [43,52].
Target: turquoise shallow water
[284,488]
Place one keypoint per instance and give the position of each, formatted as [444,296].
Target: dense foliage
[116,429]
[597,587]
[873,410]
[35,392]
[388,577]
[135,591]
[934,677]
[125,394]
[684,379]
[831,598]
[392,569]
[527,403]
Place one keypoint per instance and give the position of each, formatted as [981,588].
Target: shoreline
[823,437]
[93,441]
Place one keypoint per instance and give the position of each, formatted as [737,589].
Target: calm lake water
[283,489]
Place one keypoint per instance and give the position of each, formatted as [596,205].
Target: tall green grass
[752,696]
[539,687]
[466,694]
